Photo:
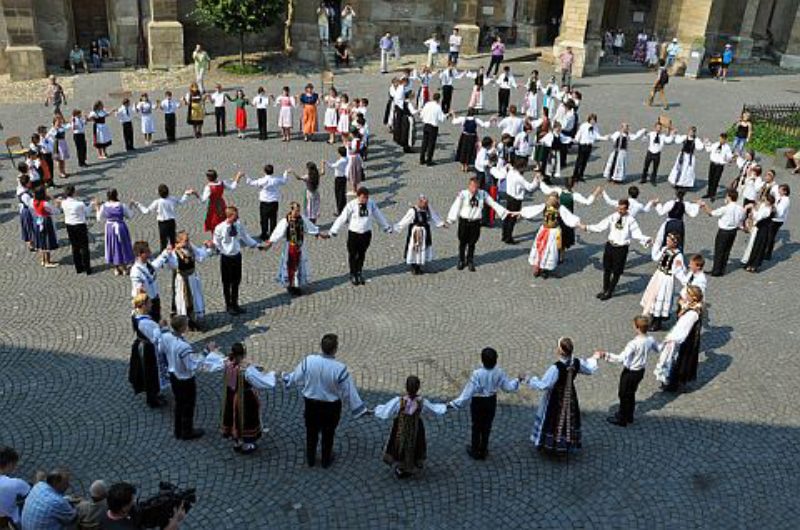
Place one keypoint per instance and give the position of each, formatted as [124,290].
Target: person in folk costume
[692,275]
[552,145]
[195,109]
[424,93]
[144,108]
[124,114]
[213,196]
[312,204]
[547,245]
[343,124]
[399,97]
[533,97]
[567,198]
[388,118]
[656,140]
[757,245]
[447,77]
[680,351]
[101,133]
[746,163]
[468,141]
[169,106]
[240,103]
[406,448]
[617,163]
[189,299]
[674,209]
[331,119]
[420,220]
[355,163]
[512,182]
[45,239]
[657,298]
[293,269]
[476,97]
[541,127]
[467,208]
[552,96]
[24,195]
[309,100]
[405,132]
[731,220]
[585,137]
[241,406]
[557,427]
[119,250]
[147,371]
[782,203]
[287,104]
[58,135]
[44,144]
[78,126]
[682,174]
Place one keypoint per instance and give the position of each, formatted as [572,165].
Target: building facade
[37,34]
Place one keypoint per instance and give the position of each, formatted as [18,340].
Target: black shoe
[460,266]
[360,279]
[643,181]
[600,295]
[716,274]
[231,311]
[327,463]
[613,420]
[472,454]
[195,434]
[512,241]
[471,266]
[354,279]
[605,296]
[238,310]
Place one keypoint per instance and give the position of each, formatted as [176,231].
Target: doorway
[555,12]
[91,21]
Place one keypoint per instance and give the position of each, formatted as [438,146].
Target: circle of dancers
[535,136]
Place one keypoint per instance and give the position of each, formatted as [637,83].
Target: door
[91,20]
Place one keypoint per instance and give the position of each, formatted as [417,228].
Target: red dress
[216,206]
[241,118]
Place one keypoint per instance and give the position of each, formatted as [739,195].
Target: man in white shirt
[143,274]
[505,82]
[229,236]
[269,198]
[588,133]
[169,106]
[447,77]
[621,227]
[165,207]
[655,144]
[511,124]
[359,214]
[731,219]
[325,384]
[261,103]
[218,97]
[12,490]
[455,47]
[781,212]
[77,230]
[721,154]
[182,365]
[516,186]
[339,168]
[433,45]
[432,116]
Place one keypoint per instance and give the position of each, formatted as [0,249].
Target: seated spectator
[105,47]
[342,52]
[793,160]
[120,514]
[12,490]
[94,55]
[90,510]
[76,59]
[45,507]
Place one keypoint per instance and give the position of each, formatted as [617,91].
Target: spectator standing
[727,59]
[12,490]
[498,52]
[386,46]
[455,47]
[201,63]
[433,45]
[92,509]
[46,508]
[348,17]
[323,24]
[566,59]
[619,44]
[673,49]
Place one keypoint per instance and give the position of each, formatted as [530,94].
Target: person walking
[386,46]
[201,63]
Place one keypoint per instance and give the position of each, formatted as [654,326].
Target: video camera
[156,511]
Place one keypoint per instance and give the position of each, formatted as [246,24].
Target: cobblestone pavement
[721,456]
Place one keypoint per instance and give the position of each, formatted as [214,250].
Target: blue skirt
[45,234]
[26,225]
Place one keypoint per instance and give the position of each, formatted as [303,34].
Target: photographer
[121,514]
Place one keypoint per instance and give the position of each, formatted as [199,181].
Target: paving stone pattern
[722,455]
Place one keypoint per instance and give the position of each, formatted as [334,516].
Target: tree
[239,17]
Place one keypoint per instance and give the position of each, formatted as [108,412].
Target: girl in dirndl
[657,298]
[189,300]
[406,448]
[293,270]
[420,220]
[617,163]
[119,250]
[680,351]
[25,198]
[312,202]
[285,115]
[468,141]
[145,110]
[241,407]
[331,120]
[195,109]
[101,131]
[44,230]
[58,135]
[309,99]
[476,97]
[355,164]
[212,195]
[239,103]
[343,125]
[557,427]
[548,243]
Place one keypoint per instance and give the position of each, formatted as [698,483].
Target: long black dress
[760,243]
[143,367]
[561,427]
[684,370]
[406,447]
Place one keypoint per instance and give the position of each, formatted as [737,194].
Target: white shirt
[218,98]
[587,134]
[433,45]
[506,81]
[720,153]
[731,216]
[78,125]
[781,209]
[634,356]
[228,238]
[687,278]
[620,235]
[339,167]
[261,101]
[323,378]
[74,211]
[455,42]
[516,185]
[482,159]
[169,106]
[634,206]
[432,114]
[359,218]
[10,490]
[270,186]
[470,208]
[448,75]
[182,361]
[164,207]
[143,279]
[522,144]
[682,327]
[229,185]
[550,377]
[752,184]
[511,125]
[124,114]
[485,383]
[391,408]
[654,146]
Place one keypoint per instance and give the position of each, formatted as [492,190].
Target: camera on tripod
[156,511]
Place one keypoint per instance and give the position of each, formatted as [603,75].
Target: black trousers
[268,213]
[447,98]
[494,61]
[651,162]
[628,385]
[230,267]
[614,259]
[152,387]
[261,116]
[79,241]
[155,309]
[714,176]
[340,192]
[482,410]
[503,97]
[468,234]
[219,120]
[80,148]
[166,233]
[774,227]
[429,135]
[512,205]
[169,126]
[723,243]
[357,245]
[127,135]
[322,418]
[584,152]
[185,392]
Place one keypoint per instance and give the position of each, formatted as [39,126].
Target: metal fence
[784,117]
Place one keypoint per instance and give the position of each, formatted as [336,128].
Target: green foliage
[239,17]
[242,69]
[768,137]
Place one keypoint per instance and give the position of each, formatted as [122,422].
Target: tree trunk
[241,48]
[287,30]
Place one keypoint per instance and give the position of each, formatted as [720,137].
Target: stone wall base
[26,62]
[789,61]
[165,39]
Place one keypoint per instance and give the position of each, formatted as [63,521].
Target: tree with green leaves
[239,17]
